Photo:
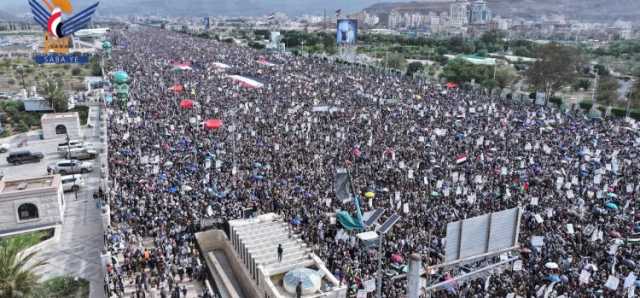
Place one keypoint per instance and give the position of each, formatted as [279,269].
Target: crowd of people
[432,154]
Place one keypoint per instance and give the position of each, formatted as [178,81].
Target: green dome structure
[120,77]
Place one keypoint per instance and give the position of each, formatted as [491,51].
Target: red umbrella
[186,104]
[452,85]
[213,124]
[176,88]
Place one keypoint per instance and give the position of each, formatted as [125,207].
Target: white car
[71,166]
[72,144]
[72,182]
[4,147]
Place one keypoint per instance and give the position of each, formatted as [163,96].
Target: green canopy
[121,89]
[120,77]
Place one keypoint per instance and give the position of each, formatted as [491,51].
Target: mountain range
[594,10]
[586,10]
[206,7]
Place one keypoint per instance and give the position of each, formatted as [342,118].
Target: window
[61,129]
[27,211]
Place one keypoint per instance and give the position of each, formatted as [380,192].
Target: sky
[211,7]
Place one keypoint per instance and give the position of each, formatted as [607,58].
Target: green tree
[414,67]
[505,77]
[17,271]
[601,70]
[607,90]
[394,60]
[634,95]
[458,71]
[96,68]
[54,94]
[76,71]
[556,66]
[583,84]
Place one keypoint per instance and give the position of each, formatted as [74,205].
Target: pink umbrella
[396,258]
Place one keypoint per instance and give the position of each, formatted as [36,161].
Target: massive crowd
[405,140]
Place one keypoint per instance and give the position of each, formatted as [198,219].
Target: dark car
[24,156]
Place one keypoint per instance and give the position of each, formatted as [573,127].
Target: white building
[30,204]
[395,19]
[58,125]
[480,13]
[459,13]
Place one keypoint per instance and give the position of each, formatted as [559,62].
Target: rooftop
[59,116]
[29,184]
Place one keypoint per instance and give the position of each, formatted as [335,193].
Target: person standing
[280,251]
[299,290]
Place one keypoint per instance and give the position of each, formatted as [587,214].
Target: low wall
[211,240]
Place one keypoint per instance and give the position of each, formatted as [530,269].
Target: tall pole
[324,23]
[380,253]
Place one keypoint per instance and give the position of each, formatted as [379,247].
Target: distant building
[395,19]
[459,13]
[37,105]
[480,13]
[30,204]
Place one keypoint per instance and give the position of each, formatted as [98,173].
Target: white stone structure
[256,242]
[57,125]
[30,204]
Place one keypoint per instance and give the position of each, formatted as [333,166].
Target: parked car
[24,156]
[81,153]
[71,144]
[70,166]
[72,182]
[4,147]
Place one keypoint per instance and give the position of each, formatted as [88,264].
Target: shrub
[76,71]
[618,112]
[586,105]
[556,100]
[635,114]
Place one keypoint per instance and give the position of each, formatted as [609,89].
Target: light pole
[75,189]
[383,230]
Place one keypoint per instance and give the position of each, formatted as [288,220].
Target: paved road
[77,253]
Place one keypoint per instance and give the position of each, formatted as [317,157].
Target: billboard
[347,31]
[484,234]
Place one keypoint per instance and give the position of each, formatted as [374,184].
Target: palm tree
[17,276]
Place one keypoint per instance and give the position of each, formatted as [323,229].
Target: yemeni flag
[219,65]
[460,159]
[246,82]
[181,67]
[263,61]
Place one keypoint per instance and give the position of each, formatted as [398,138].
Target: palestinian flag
[462,158]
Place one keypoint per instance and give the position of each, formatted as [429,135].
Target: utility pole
[324,22]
